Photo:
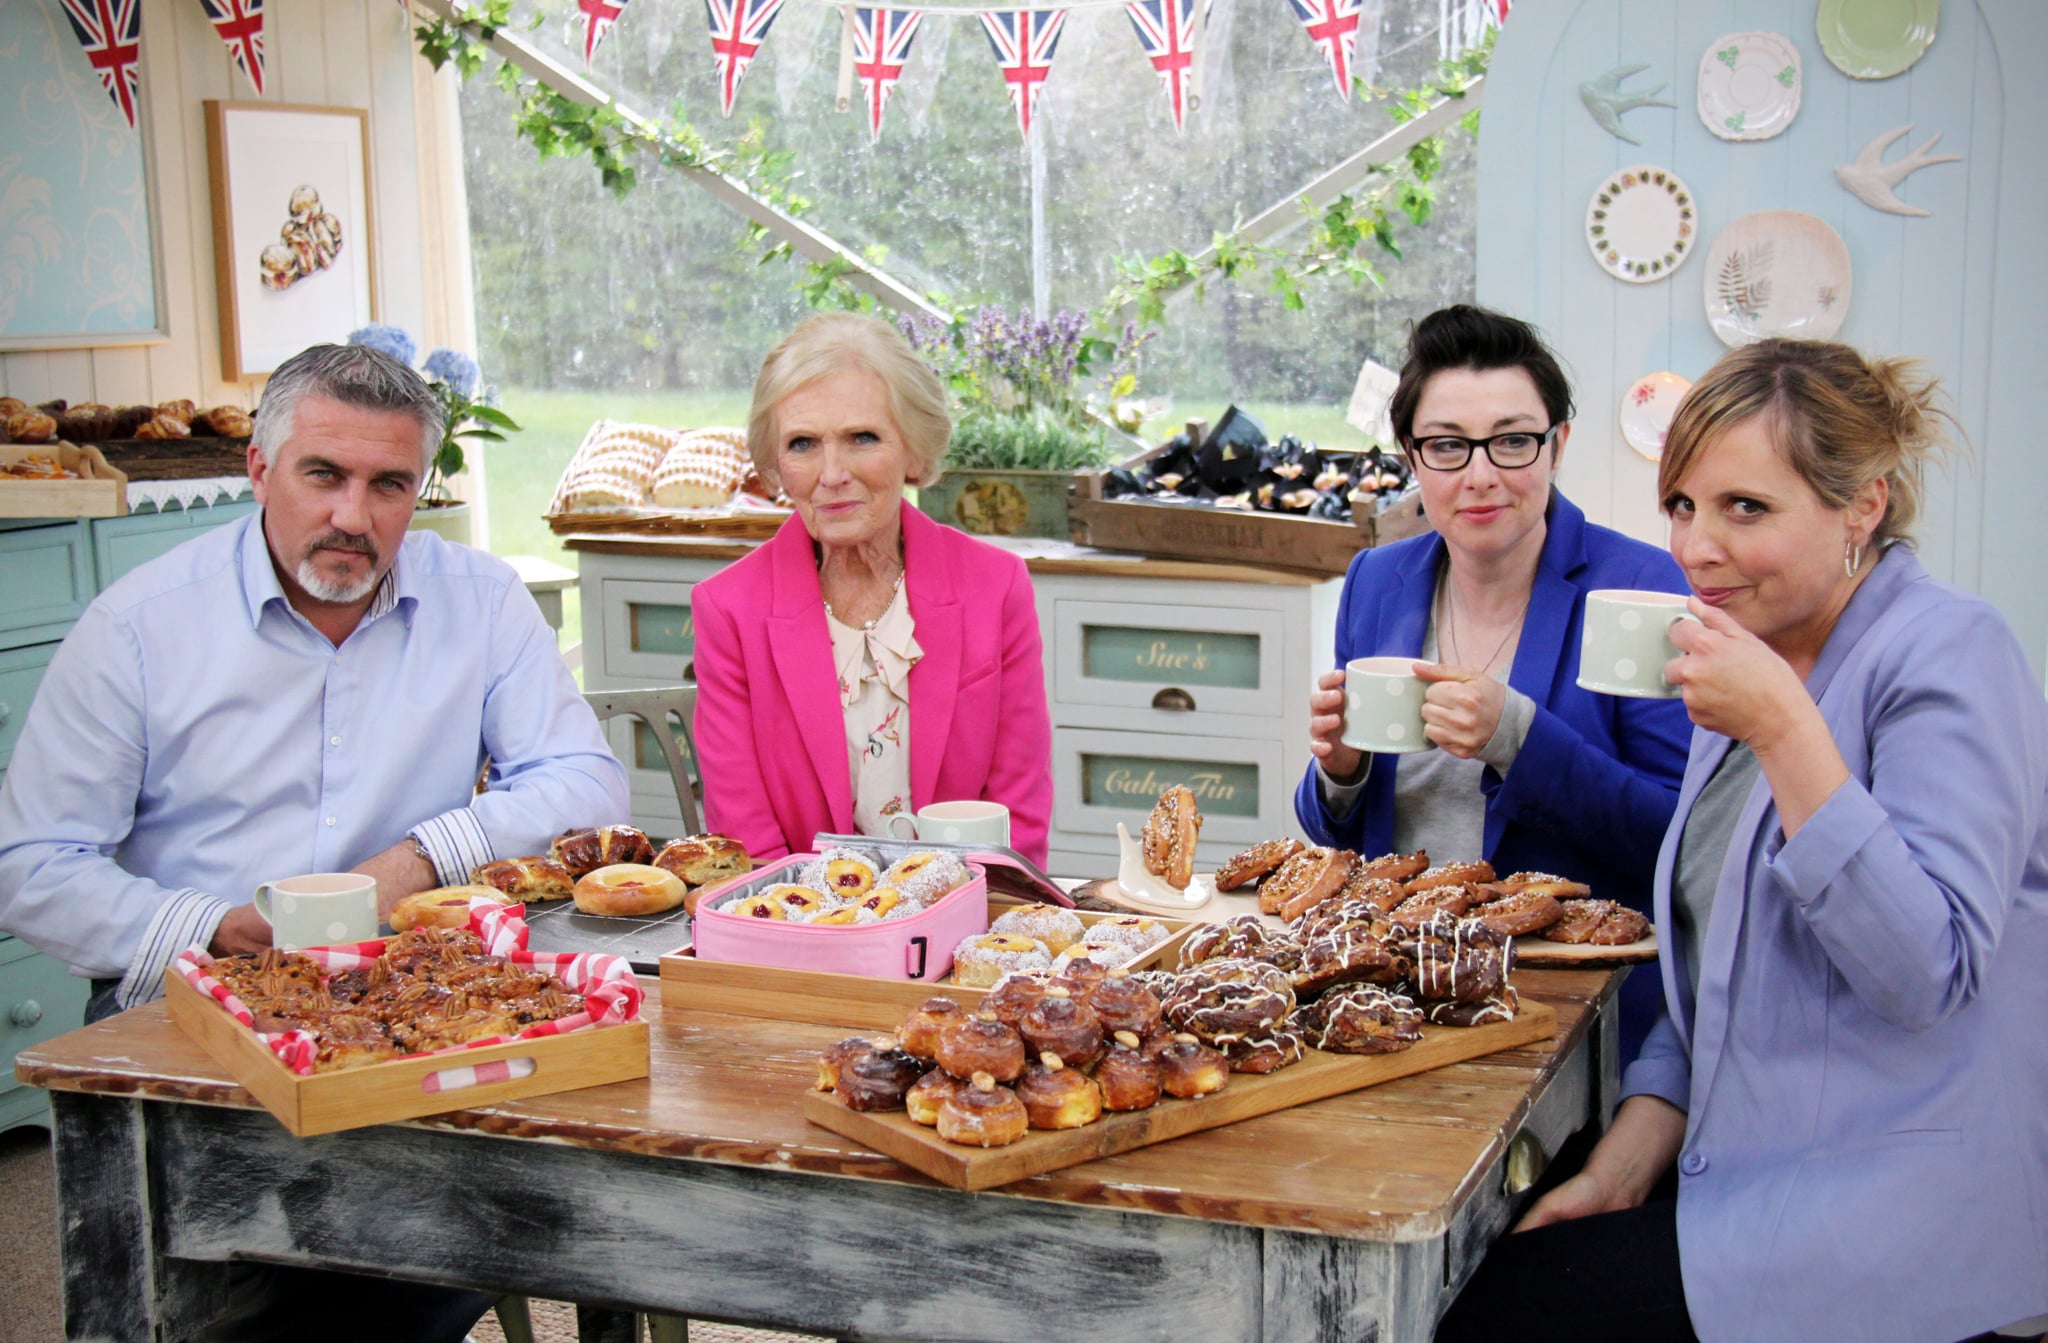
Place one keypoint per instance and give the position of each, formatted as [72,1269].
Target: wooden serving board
[1535,951]
[751,525]
[383,1092]
[1317,1077]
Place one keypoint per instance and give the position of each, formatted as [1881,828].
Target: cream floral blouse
[873,664]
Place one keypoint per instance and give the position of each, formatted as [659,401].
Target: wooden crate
[1317,1077]
[99,492]
[384,1092]
[1229,535]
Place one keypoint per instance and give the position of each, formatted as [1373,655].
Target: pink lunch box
[917,946]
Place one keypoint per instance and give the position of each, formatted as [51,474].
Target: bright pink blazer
[771,736]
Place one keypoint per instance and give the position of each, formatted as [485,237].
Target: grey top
[1703,848]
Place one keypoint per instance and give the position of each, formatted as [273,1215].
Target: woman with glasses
[1532,773]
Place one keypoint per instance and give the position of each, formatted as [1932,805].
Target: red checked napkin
[611,995]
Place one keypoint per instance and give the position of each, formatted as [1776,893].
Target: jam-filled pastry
[1169,837]
[1064,1025]
[1056,1096]
[842,917]
[629,889]
[919,1033]
[979,961]
[834,1057]
[757,906]
[921,1103]
[1451,874]
[982,1114]
[1057,928]
[1255,862]
[1360,1019]
[881,901]
[526,879]
[878,1078]
[1122,1004]
[1599,922]
[1519,913]
[981,1044]
[925,877]
[1500,1006]
[1128,1080]
[798,901]
[1187,1067]
[847,874]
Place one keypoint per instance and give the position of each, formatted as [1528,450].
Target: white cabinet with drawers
[1156,673]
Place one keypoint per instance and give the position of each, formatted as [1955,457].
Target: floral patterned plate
[1749,85]
[1876,39]
[1647,408]
[1777,273]
[1642,224]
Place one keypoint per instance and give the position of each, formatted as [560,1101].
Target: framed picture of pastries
[294,257]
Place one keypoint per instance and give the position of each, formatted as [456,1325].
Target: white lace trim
[168,494]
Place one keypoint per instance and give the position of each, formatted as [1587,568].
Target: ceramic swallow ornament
[1605,100]
[1870,179]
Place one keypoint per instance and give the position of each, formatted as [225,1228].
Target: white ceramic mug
[957,823]
[1383,706]
[1626,640]
[321,909]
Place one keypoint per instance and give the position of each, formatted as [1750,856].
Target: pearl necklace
[894,589]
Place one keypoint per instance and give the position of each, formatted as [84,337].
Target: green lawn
[521,474]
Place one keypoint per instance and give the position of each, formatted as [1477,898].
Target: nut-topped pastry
[981,1044]
[982,1115]
[834,1057]
[1255,863]
[919,1033]
[1014,995]
[1169,837]
[921,1103]
[1056,1096]
[1064,1025]
[1128,1080]
[1123,1004]
[1187,1067]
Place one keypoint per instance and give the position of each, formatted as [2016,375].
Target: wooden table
[701,1191]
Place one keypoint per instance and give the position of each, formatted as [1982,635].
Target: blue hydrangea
[453,367]
[389,340]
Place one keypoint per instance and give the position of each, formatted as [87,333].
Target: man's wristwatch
[419,847]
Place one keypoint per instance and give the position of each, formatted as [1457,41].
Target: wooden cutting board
[1315,1078]
[1535,951]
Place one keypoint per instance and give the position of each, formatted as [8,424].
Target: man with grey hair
[310,689]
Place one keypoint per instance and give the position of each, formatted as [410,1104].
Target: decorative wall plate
[1777,273]
[1749,85]
[1876,39]
[1646,410]
[1642,224]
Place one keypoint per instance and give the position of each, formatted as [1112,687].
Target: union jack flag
[1333,24]
[598,18]
[1166,28]
[240,25]
[738,28]
[111,33]
[1024,41]
[881,44]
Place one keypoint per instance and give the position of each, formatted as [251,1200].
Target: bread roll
[629,888]
[165,426]
[525,880]
[225,422]
[442,907]
[703,859]
[31,426]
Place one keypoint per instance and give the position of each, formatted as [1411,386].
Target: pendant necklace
[1451,635]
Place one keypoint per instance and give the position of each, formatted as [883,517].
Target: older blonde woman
[866,661]
[1849,1083]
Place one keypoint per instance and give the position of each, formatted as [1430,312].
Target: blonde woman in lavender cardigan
[1849,1088]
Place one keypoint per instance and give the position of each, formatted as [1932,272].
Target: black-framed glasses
[1509,452]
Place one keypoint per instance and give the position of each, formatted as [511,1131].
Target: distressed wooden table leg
[1322,1289]
[602,1324]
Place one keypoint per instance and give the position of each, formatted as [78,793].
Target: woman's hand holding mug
[1462,708]
[1326,729]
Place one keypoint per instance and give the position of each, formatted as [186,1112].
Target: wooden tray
[99,492]
[748,526]
[827,999]
[1534,951]
[1315,1078]
[383,1092]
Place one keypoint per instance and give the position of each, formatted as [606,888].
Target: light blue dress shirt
[195,736]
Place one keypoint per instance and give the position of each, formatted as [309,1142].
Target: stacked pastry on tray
[432,989]
[1042,1051]
[1048,939]
[607,869]
[847,887]
[644,466]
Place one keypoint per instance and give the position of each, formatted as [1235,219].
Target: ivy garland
[1339,241]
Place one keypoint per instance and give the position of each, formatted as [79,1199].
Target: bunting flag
[881,44]
[598,17]
[1024,41]
[738,28]
[1166,29]
[240,25]
[1333,24]
[1500,9]
[111,33]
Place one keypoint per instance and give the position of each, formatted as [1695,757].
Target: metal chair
[655,708]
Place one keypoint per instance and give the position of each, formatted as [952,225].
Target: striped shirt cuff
[187,919]
[456,843]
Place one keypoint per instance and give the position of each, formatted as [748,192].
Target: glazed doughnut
[1520,913]
[834,1058]
[877,1078]
[1169,837]
[1558,888]
[1056,1096]
[1269,1053]
[442,907]
[1255,863]
[1223,1000]
[1306,880]
[919,1034]
[1134,933]
[527,879]
[926,876]
[982,1114]
[1123,1005]
[1348,954]
[1397,866]
[980,960]
[1014,995]
[1600,922]
[1187,1067]
[704,860]
[1062,1024]
[1501,1006]
[760,906]
[981,1044]
[1360,1019]
[1128,1080]
[927,1094]
[1057,928]
[1451,874]
[1419,908]
[627,889]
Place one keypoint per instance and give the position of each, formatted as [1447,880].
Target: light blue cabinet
[49,571]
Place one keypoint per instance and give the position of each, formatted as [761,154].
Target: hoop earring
[1852,558]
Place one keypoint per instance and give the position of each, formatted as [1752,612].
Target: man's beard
[326,589]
